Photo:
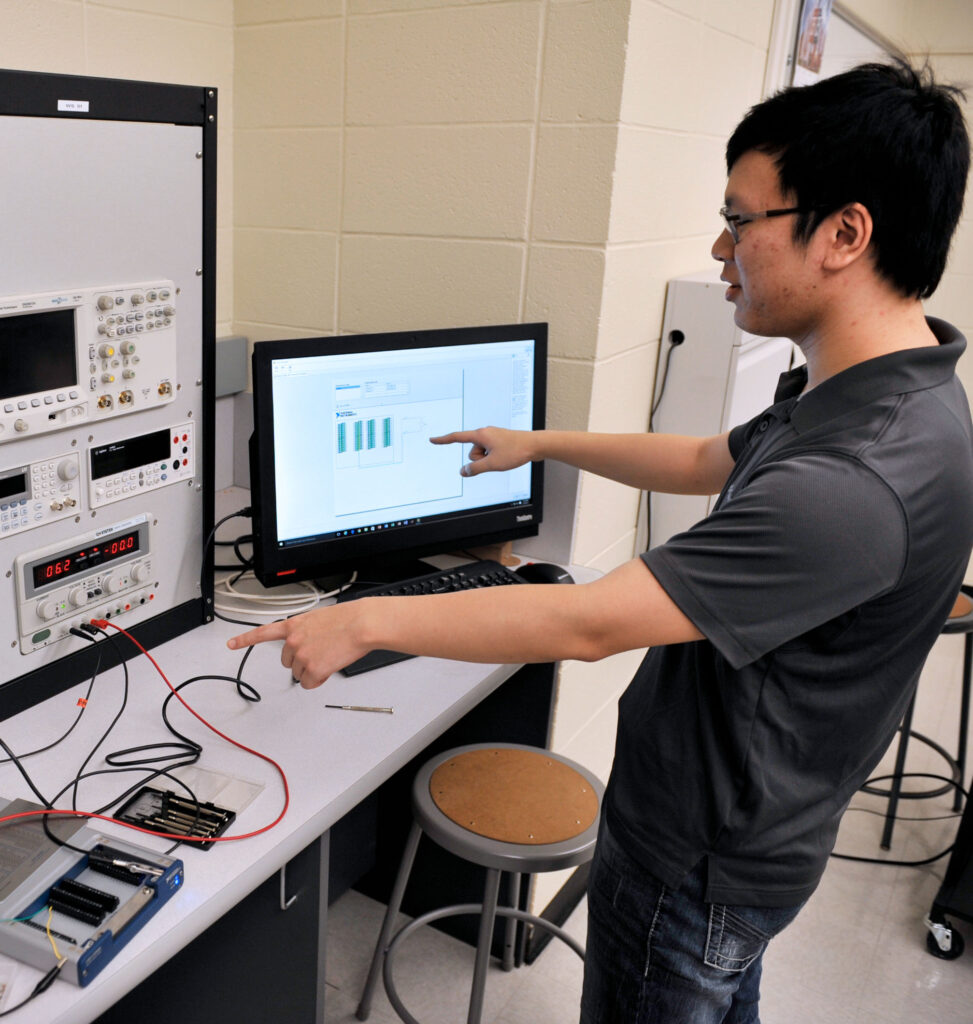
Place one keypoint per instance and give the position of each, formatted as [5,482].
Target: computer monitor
[343,475]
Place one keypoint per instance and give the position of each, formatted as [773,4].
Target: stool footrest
[452,911]
[924,794]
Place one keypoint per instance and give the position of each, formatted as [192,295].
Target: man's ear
[848,233]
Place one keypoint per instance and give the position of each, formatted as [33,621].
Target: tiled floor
[856,955]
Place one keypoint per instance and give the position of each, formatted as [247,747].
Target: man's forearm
[506,625]
[624,610]
[669,463]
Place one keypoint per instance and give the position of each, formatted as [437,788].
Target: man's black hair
[884,135]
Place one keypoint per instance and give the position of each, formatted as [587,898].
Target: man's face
[770,276]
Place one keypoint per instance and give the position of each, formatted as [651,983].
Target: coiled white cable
[265,602]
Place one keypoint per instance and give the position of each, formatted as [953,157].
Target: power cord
[905,863]
[242,602]
[676,338]
[283,605]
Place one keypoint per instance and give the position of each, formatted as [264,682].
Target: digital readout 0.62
[71,563]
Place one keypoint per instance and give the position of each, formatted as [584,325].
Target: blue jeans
[657,955]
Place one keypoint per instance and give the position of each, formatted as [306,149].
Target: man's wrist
[537,445]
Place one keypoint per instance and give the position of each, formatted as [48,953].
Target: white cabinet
[717,377]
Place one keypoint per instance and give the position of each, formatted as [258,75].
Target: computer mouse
[543,572]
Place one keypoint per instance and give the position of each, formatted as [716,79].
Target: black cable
[244,561]
[904,817]
[905,863]
[111,725]
[84,704]
[242,513]
[23,771]
[42,986]
[676,338]
[185,753]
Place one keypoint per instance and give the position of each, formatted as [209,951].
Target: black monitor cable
[243,513]
[245,561]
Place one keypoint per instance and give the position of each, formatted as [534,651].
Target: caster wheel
[955,948]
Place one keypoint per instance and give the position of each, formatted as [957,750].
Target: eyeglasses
[734,220]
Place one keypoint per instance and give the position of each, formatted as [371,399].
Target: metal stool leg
[395,902]
[896,787]
[510,932]
[459,908]
[964,718]
[491,894]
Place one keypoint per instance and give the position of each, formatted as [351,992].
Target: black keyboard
[471,576]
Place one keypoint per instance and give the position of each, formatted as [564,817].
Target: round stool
[960,620]
[509,808]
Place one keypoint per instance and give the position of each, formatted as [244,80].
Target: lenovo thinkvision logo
[524,519]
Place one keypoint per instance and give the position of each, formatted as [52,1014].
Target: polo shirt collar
[893,374]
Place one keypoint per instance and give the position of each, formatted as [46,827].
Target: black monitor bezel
[322,558]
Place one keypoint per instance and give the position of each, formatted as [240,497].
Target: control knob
[141,572]
[115,583]
[106,351]
[47,609]
[78,597]
[169,310]
[106,302]
[67,469]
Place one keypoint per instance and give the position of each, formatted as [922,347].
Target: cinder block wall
[187,42]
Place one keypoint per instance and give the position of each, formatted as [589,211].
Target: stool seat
[960,618]
[508,808]
[514,795]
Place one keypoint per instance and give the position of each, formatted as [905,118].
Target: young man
[787,629]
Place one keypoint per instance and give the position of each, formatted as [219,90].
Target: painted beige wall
[186,42]
[409,165]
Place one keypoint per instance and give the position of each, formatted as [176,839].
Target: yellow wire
[50,914]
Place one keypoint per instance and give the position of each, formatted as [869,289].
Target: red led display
[73,562]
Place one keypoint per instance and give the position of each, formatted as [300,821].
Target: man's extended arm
[624,610]
[671,463]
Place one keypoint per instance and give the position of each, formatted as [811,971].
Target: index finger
[269,631]
[458,436]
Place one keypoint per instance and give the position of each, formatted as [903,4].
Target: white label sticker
[73,106]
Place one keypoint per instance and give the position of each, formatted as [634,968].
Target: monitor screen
[343,472]
[37,352]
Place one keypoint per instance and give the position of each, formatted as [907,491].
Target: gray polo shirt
[820,581]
